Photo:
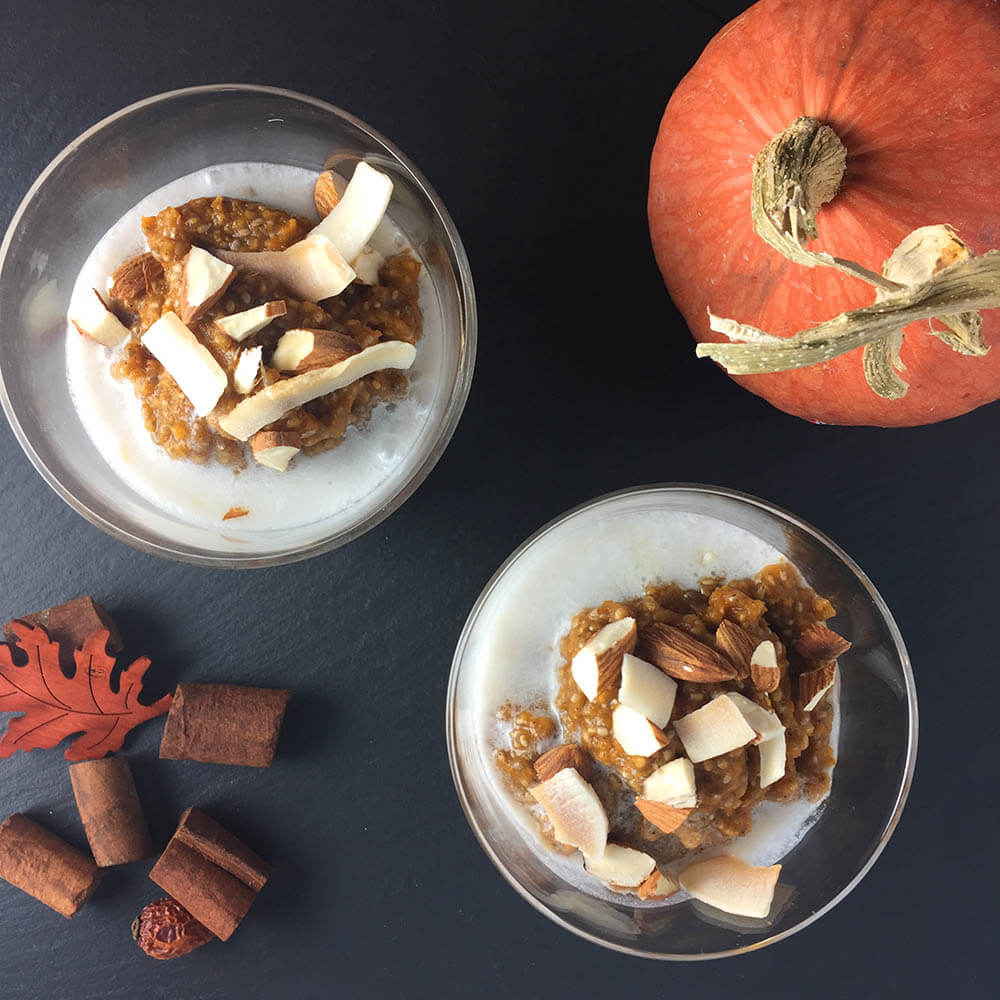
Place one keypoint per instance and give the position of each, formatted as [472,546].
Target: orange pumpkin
[912,89]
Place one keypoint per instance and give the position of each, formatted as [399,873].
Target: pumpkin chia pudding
[676,714]
[231,343]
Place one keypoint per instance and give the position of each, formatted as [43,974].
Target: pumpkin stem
[931,275]
[794,175]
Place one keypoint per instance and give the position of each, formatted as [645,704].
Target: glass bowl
[610,548]
[108,170]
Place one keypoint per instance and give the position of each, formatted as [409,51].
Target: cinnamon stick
[210,872]
[42,865]
[224,724]
[109,807]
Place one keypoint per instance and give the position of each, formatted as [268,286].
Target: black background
[534,123]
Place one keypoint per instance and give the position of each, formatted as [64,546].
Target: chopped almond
[813,684]
[276,449]
[658,886]
[673,784]
[821,643]
[325,194]
[636,735]
[93,319]
[764,670]
[304,350]
[663,817]
[247,369]
[245,324]
[568,755]
[597,666]
[647,690]
[204,281]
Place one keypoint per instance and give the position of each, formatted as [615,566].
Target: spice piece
[621,866]
[597,666]
[42,865]
[234,512]
[663,817]
[813,684]
[210,872]
[224,724]
[737,644]
[682,656]
[57,705]
[110,810]
[69,624]
[568,755]
[165,929]
[304,350]
[325,195]
[245,324]
[764,670]
[93,319]
[821,643]
[135,277]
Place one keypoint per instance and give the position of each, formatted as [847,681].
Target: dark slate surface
[535,126]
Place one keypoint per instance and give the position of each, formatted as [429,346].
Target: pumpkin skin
[912,88]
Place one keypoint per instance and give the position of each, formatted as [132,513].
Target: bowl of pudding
[239,326]
[681,722]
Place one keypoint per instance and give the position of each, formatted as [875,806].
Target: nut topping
[567,755]
[596,667]
[737,644]
[135,277]
[680,655]
[813,684]
[764,670]
[325,194]
[663,817]
[821,643]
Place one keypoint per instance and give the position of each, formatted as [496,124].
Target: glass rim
[772,510]
[456,401]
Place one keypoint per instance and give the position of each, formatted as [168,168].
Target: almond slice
[94,320]
[663,817]
[190,364]
[247,369]
[620,866]
[204,280]
[367,265]
[672,784]
[275,400]
[737,644]
[636,735]
[821,643]
[813,684]
[597,665]
[682,656]
[135,277]
[325,194]
[304,350]
[276,449]
[764,670]
[245,324]
[772,737]
[355,218]
[658,886]
[732,885]
[647,690]
[577,816]
[312,269]
[568,755]
[714,729]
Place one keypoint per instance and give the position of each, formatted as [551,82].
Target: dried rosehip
[165,929]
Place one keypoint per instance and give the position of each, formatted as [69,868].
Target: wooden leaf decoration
[56,706]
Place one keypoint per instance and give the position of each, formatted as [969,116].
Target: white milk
[313,487]
[514,651]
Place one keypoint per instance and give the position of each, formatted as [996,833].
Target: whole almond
[821,643]
[736,643]
[682,656]
[135,277]
[567,755]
